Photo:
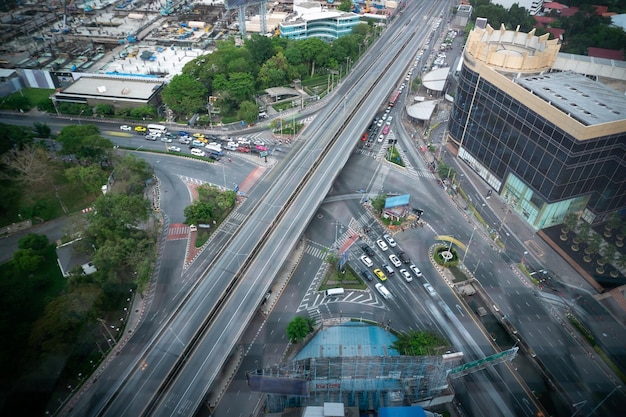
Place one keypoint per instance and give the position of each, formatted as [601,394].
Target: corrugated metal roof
[349,340]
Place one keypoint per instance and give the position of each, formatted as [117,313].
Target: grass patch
[393,156]
[202,236]
[348,280]
[25,99]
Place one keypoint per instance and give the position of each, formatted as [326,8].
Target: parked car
[416,271]
[126,128]
[389,240]
[367,261]
[395,261]
[382,245]
[407,276]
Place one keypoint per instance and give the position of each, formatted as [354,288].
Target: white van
[383,291]
[334,292]
[231,146]
[198,152]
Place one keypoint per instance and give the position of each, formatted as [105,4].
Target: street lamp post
[524,257]
[468,246]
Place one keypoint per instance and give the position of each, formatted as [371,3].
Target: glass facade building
[549,143]
[327,26]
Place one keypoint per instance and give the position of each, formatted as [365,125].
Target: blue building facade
[327,26]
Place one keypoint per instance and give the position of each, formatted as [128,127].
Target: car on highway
[404,257]
[368,251]
[380,274]
[141,129]
[366,260]
[150,136]
[388,269]
[389,240]
[382,245]
[395,261]
[126,128]
[198,152]
[416,271]
[406,274]
[366,274]
[383,291]
[173,148]
[166,139]
[430,290]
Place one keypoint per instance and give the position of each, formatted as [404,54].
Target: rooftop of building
[115,87]
[349,340]
[585,100]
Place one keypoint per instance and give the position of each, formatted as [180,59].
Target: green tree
[115,215]
[416,343]
[199,212]
[241,86]
[248,112]
[275,72]
[314,50]
[90,177]
[131,175]
[33,241]
[260,47]
[345,6]
[184,95]
[27,260]
[41,130]
[12,137]
[298,329]
[143,112]
[104,109]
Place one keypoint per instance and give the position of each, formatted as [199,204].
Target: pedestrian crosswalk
[189,180]
[177,231]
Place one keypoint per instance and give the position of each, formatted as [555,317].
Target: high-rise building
[540,128]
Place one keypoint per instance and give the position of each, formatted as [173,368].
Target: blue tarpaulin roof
[400,200]
[401,412]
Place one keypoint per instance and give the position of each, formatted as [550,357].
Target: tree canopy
[298,329]
[184,94]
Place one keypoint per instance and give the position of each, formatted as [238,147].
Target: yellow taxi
[140,129]
[198,135]
[380,274]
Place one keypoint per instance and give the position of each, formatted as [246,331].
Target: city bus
[157,129]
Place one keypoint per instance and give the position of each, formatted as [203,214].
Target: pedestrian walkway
[251,179]
[177,231]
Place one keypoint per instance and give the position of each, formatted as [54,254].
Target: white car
[389,119]
[367,261]
[198,152]
[184,140]
[416,271]
[173,148]
[382,245]
[389,240]
[150,136]
[381,138]
[395,261]
[380,123]
[126,128]
[166,139]
[259,142]
[407,276]
[429,288]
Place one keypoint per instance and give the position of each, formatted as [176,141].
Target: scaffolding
[364,382]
